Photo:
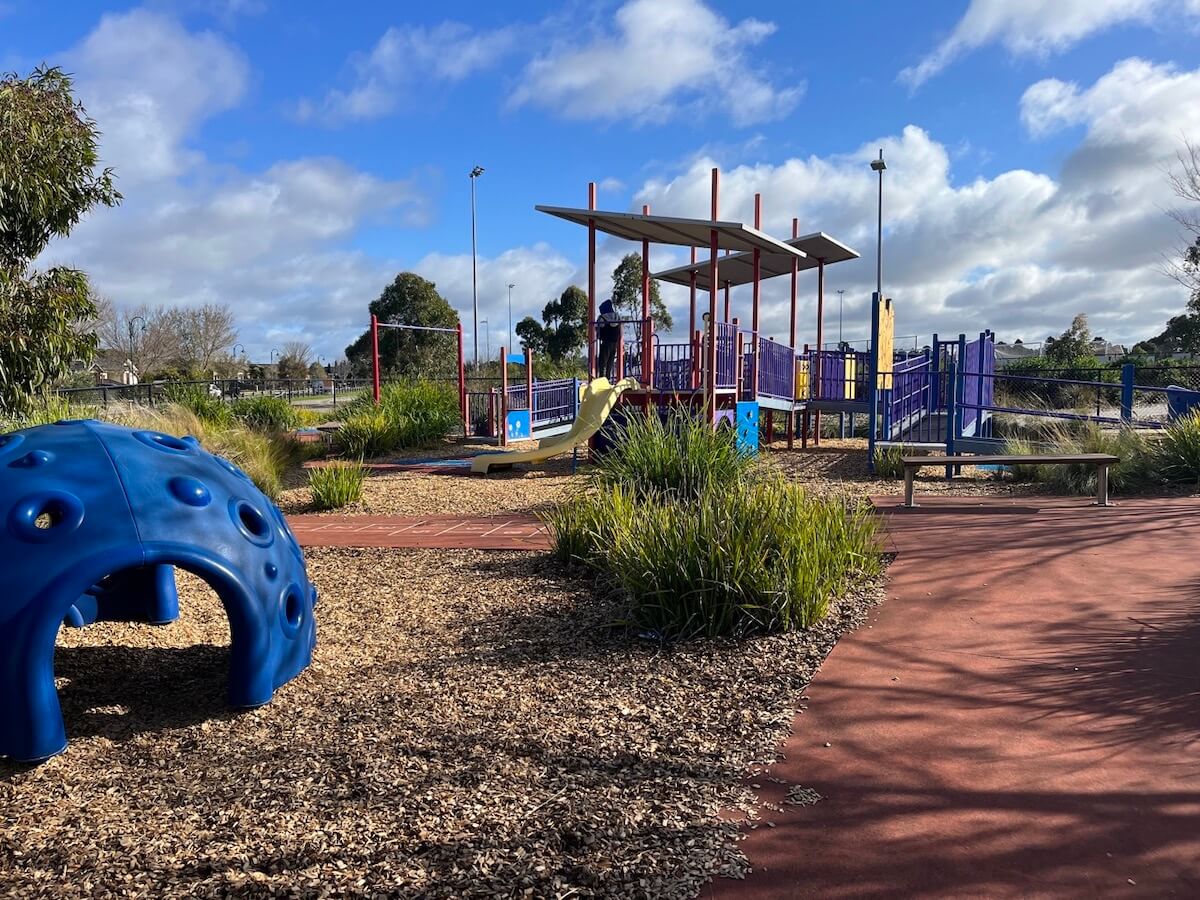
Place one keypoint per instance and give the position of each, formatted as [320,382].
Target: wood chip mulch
[471,727]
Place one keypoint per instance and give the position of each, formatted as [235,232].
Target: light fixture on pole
[235,349]
[475,173]
[510,287]
[878,165]
[840,292]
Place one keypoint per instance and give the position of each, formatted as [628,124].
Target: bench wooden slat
[1033,459]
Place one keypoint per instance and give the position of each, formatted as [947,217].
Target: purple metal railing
[909,392]
[727,362]
[673,367]
[554,402]
[776,370]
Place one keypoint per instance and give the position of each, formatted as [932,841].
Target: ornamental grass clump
[1178,452]
[680,456]
[419,413]
[1138,466]
[336,485]
[760,556]
[711,544]
[264,413]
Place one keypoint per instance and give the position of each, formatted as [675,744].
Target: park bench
[1100,460]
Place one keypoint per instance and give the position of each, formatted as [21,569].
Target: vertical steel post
[529,386]
[647,325]
[754,358]
[462,379]
[710,388]
[820,343]
[1127,378]
[591,288]
[791,421]
[503,424]
[375,357]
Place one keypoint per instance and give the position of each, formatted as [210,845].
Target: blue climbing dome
[95,517]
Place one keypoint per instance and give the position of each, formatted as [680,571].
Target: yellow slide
[598,399]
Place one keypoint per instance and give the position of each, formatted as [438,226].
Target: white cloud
[662,58]
[403,59]
[147,81]
[1021,252]
[272,243]
[1039,27]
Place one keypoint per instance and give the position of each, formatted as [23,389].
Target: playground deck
[1020,719]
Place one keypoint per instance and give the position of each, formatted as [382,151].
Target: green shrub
[1137,468]
[207,408]
[337,484]
[419,413]
[368,434]
[681,457]
[888,463]
[757,556]
[1178,452]
[265,413]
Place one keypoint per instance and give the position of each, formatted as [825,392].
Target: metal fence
[776,370]
[152,393]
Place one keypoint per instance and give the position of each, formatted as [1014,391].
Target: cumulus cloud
[1036,27]
[147,80]
[661,58]
[403,59]
[1021,252]
[272,243]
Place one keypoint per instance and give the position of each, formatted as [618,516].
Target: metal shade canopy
[739,268]
[680,232]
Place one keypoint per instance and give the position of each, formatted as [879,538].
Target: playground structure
[97,517]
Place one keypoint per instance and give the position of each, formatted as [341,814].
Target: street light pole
[840,292]
[475,173]
[510,287]
[132,362]
[878,165]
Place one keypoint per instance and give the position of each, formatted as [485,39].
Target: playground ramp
[599,399]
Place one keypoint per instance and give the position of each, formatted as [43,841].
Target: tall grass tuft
[1137,468]
[207,408]
[337,484]
[368,434]
[264,413]
[761,555]
[681,457]
[263,457]
[888,464]
[1178,451]
[410,414]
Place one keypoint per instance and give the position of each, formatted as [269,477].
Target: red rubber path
[1021,720]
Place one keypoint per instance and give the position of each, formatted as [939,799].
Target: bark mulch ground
[471,726]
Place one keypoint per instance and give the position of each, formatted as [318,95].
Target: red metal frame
[710,385]
[791,420]
[754,309]
[591,328]
[376,380]
[647,325]
[504,397]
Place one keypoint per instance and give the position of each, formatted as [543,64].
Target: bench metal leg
[1102,485]
[909,473]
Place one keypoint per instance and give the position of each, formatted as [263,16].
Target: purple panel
[776,370]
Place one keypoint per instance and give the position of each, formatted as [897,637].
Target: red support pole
[503,397]
[820,339]
[692,321]
[375,358]
[462,381]
[754,303]
[791,422]
[591,289]
[647,325]
[727,319]
[620,373]
[710,387]
[740,349]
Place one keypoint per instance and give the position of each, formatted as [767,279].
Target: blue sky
[290,158]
